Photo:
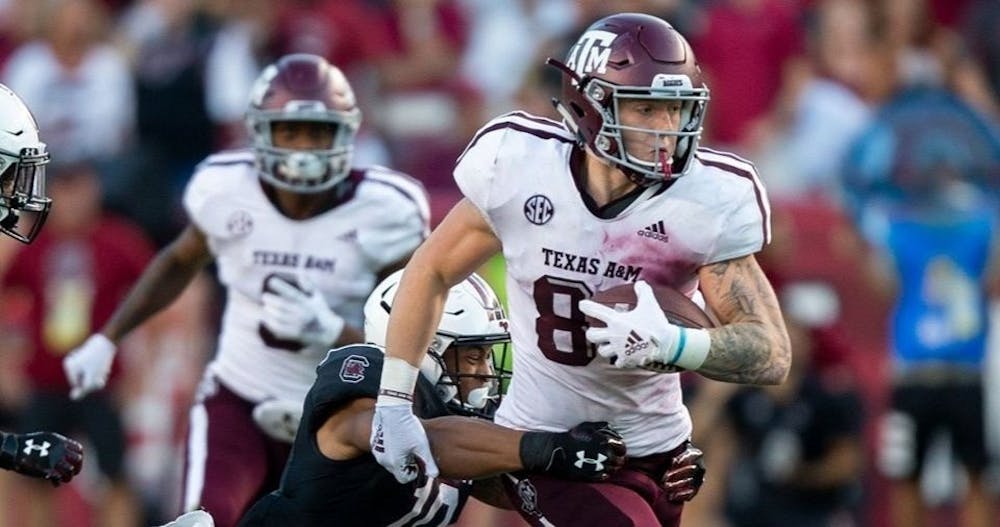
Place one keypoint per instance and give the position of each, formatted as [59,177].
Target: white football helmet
[472,316]
[23,203]
[303,87]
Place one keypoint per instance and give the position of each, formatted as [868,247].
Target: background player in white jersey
[300,238]
[618,193]
[23,208]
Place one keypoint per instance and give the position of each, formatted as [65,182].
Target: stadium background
[141,90]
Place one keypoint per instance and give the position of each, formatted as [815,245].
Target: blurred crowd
[131,95]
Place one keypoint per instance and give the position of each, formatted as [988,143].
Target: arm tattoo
[751,346]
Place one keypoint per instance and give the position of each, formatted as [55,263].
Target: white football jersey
[517,171]
[338,253]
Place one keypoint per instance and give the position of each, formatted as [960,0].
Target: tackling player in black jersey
[332,476]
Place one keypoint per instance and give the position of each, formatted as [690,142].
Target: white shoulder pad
[214,183]
[404,219]
[747,227]
[502,147]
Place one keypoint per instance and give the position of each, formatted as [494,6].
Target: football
[679,309]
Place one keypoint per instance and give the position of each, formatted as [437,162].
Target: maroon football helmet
[632,56]
[303,87]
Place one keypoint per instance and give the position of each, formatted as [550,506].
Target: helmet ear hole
[576,109]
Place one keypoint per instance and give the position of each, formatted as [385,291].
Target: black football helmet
[632,56]
[303,87]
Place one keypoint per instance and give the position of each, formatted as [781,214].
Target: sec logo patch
[538,209]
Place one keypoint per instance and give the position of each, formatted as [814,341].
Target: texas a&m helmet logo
[591,53]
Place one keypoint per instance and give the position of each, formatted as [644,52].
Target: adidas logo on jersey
[655,231]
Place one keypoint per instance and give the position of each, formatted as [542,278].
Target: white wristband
[692,348]
[399,378]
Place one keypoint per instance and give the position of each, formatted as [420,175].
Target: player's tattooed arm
[751,346]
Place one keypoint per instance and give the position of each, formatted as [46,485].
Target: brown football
[679,309]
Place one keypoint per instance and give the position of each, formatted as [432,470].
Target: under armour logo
[581,459]
[43,449]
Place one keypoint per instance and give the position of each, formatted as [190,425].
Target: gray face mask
[22,214]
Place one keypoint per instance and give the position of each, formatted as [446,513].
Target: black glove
[589,451]
[44,455]
[686,474]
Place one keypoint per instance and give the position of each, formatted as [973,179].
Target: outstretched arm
[468,448]
[457,247]
[751,346]
[461,243]
[87,367]
[161,283]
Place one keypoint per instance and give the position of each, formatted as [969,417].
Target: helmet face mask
[23,157]
[303,88]
[467,358]
[626,57]
[472,377]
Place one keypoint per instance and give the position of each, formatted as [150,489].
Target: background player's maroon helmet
[303,87]
[632,56]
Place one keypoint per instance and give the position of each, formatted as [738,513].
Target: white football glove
[643,337]
[198,518]
[278,418]
[398,440]
[87,367]
[292,314]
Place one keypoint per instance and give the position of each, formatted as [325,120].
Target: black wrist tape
[536,450]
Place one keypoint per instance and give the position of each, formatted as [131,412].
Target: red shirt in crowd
[743,51]
[74,285]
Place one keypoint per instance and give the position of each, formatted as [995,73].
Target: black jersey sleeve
[347,373]
[353,372]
